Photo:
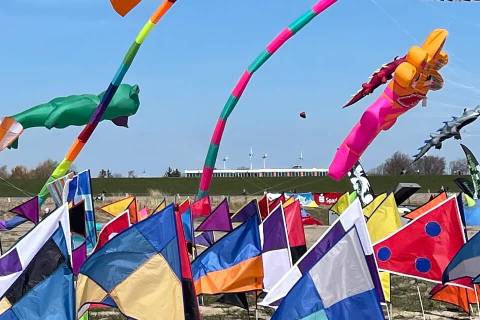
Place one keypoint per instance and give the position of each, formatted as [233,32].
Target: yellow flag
[342,204]
[470,202]
[118,207]
[382,222]
[288,202]
[161,206]
[370,208]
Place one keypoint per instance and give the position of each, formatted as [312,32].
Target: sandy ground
[405,300]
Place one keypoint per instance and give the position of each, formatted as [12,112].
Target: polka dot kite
[423,247]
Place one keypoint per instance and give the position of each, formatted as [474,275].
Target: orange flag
[427,206]
[124,6]
[458,296]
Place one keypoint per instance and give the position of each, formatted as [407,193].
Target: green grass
[235,186]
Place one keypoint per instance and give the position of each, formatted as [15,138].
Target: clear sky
[188,65]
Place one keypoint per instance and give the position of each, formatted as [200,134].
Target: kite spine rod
[272,47]
[87,131]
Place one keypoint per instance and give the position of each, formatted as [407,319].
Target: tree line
[401,163]
[41,171]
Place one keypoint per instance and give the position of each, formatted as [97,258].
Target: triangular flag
[124,6]
[201,207]
[247,211]
[273,204]
[369,208]
[424,247]
[458,296]
[161,206]
[295,230]
[29,210]
[427,206]
[205,239]
[112,228]
[218,220]
[118,207]
[263,206]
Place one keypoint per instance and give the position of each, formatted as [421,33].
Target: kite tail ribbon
[237,92]
[87,131]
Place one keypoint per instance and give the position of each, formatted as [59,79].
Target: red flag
[112,228]
[124,6]
[424,247]
[201,207]
[276,202]
[263,207]
[296,233]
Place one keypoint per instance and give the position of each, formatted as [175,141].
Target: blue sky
[189,64]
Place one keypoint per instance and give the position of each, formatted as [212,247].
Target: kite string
[26,193]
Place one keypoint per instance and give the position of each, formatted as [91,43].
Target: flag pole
[388,312]
[476,297]
[256,305]
[421,303]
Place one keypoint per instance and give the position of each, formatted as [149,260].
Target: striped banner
[237,92]
[87,131]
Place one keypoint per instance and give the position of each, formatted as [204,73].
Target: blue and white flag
[79,189]
[352,216]
[339,286]
[466,262]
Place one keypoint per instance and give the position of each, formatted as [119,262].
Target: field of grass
[234,186]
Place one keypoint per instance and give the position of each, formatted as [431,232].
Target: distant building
[241,173]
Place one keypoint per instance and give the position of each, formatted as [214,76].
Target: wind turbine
[301,158]
[250,156]
[225,159]
[264,157]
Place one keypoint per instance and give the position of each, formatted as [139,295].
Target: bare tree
[43,169]
[4,172]
[19,172]
[459,166]
[396,164]
[131,174]
[430,165]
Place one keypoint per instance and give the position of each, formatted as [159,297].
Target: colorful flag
[142,214]
[246,212]
[201,207]
[36,275]
[337,286]
[124,6]
[218,220]
[427,206]
[337,209]
[140,271]
[361,184]
[161,206]
[424,247]
[112,228]
[56,188]
[118,207]
[11,223]
[45,289]
[29,210]
[276,255]
[465,263]
[273,204]
[186,215]
[370,208]
[205,239]
[382,222]
[351,217]
[473,167]
[263,206]
[295,230]
[233,264]
[306,199]
[77,190]
[461,297]
[79,256]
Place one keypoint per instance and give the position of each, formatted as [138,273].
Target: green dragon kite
[73,110]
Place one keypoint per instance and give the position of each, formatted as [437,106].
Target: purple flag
[29,210]
[246,212]
[205,239]
[274,231]
[79,256]
[218,220]
[10,263]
